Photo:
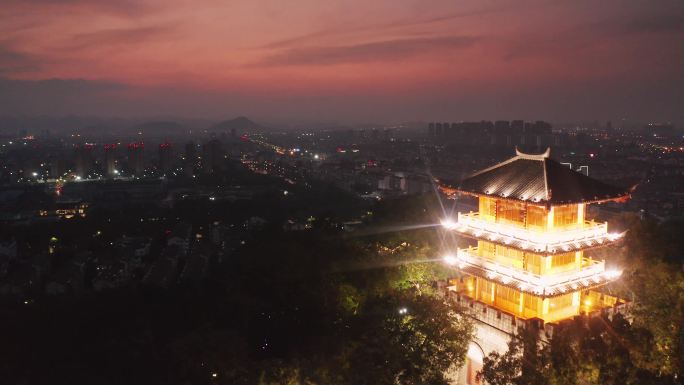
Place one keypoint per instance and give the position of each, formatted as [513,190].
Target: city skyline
[347,62]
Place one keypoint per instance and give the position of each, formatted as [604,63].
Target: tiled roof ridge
[518,155]
[547,190]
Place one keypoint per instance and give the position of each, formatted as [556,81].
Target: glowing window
[565,216]
[537,217]
[532,302]
[533,263]
[487,207]
[563,259]
[507,294]
[512,212]
[560,302]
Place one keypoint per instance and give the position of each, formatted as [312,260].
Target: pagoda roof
[538,179]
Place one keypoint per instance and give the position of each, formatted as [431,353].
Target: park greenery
[322,306]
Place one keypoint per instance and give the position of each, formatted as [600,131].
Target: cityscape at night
[346,192]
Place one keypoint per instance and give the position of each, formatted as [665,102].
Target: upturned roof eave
[619,198]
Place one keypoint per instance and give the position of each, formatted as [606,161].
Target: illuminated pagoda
[529,263]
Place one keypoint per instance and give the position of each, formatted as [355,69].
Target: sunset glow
[467,59]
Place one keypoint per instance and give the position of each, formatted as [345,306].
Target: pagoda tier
[525,306]
[589,274]
[584,236]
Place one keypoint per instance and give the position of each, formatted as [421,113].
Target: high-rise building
[530,263]
[517,127]
[84,160]
[213,156]
[165,157]
[57,167]
[661,130]
[190,160]
[539,127]
[136,164]
[501,127]
[110,160]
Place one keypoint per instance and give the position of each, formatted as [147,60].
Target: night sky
[346,61]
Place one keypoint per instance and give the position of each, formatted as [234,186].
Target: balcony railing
[591,234]
[592,273]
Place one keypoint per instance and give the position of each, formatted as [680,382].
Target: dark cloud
[375,51]
[15,61]
[56,96]
[303,39]
[575,41]
[660,23]
[128,8]
[118,36]
[450,17]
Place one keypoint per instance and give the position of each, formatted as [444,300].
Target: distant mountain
[161,128]
[240,124]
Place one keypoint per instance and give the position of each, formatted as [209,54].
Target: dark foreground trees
[585,350]
[304,308]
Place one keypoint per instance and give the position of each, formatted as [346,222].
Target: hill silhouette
[239,124]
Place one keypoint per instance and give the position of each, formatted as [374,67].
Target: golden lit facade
[530,258]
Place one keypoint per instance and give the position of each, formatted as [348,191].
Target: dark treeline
[317,306]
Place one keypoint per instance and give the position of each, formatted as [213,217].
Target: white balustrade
[563,239]
[593,273]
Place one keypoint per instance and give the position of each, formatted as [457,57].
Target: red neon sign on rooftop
[136,145]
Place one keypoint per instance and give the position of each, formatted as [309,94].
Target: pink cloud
[400,49]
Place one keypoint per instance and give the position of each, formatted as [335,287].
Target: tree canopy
[312,307]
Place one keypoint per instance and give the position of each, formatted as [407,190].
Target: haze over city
[347,61]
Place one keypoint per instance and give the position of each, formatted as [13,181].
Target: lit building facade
[529,263]
[110,160]
[165,157]
[84,160]
[136,163]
